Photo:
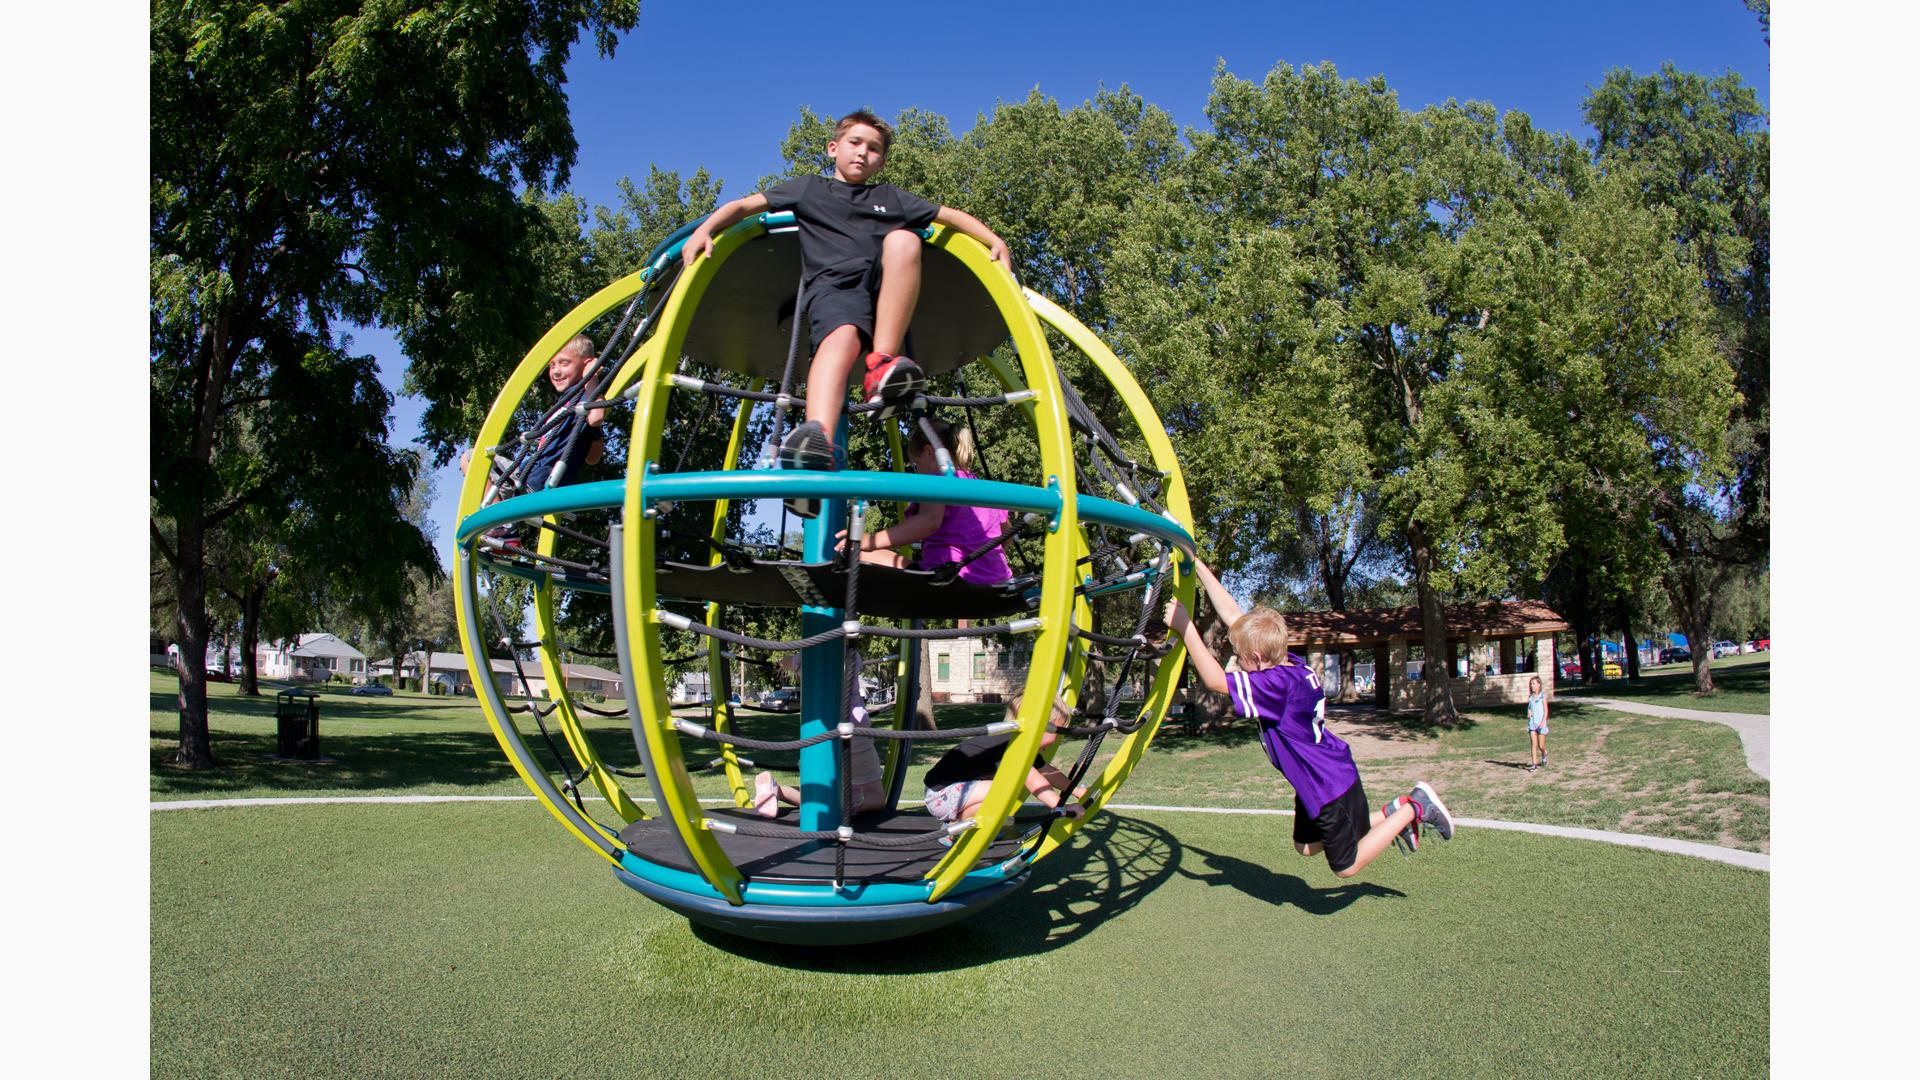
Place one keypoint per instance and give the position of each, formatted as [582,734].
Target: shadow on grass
[1281,890]
[1112,864]
[357,762]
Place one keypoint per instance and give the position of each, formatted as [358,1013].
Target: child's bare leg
[1378,838]
[827,376]
[899,289]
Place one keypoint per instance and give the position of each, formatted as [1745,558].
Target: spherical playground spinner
[1107,532]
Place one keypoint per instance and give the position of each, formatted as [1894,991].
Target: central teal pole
[822,675]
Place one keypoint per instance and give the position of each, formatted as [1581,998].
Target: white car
[1725,648]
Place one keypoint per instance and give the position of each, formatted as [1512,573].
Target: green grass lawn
[478,940]
[1611,770]
[1741,684]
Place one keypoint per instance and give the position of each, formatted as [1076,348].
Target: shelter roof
[1486,618]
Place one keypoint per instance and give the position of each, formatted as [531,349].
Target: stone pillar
[1543,663]
[1402,697]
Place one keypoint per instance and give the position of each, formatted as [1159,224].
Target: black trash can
[298,715]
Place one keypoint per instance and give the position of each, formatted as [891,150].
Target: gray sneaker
[1433,812]
[807,447]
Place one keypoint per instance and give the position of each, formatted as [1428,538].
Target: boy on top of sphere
[860,266]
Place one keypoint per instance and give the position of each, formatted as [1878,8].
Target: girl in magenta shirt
[946,534]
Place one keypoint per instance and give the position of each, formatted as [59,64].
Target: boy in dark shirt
[958,783]
[860,264]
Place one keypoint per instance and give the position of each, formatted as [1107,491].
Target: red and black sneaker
[1408,839]
[892,381]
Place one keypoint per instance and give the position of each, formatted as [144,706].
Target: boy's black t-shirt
[842,225]
[975,759]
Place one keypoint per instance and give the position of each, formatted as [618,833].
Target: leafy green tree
[313,163]
[1422,310]
[1698,148]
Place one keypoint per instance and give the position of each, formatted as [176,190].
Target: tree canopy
[314,166]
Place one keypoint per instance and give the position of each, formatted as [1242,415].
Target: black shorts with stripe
[1338,827]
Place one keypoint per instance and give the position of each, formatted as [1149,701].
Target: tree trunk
[190,587]
[923,689]
[1632,647]
[1437,672]
[1093,690]
[1700,636]
[1692,600]
[1207,710]
[250,640]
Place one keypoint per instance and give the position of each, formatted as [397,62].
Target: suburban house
[310,658]
[979,669]
[1496,646]
[449,670]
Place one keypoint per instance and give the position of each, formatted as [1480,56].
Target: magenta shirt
[962,531]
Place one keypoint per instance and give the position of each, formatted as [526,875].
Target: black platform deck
[745,322]
[794,861]
[885,592]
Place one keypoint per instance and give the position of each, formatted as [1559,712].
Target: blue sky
[717,84]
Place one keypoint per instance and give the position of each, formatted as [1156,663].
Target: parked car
[1725,648]
[787,700]
[1759,644]
[1679,656]
[373,689]
[216,675]
[1570,669]
[1611,669]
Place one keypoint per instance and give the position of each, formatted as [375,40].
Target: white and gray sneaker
[1433,812]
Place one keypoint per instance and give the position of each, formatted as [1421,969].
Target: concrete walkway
[1752,860]
[1752,727]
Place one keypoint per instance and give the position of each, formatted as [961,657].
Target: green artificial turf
[1741,684]
[479,940]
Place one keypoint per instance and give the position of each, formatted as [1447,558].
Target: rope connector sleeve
[673,619]
[852,627]
[1001,727]
[1021,626]
[719,826]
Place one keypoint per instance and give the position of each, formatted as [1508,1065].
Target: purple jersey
[1292,711]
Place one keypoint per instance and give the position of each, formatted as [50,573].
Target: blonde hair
[958,441]
[863,116]
[1260,633]
[578,343]
[1061,719]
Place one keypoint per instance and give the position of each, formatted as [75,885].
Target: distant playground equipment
[685,345]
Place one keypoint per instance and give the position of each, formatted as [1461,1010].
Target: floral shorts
[945,803]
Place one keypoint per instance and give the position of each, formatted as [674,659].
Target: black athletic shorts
[1339,827]
[835,299]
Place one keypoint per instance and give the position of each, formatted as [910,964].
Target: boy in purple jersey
[860,264]
[1279,691]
